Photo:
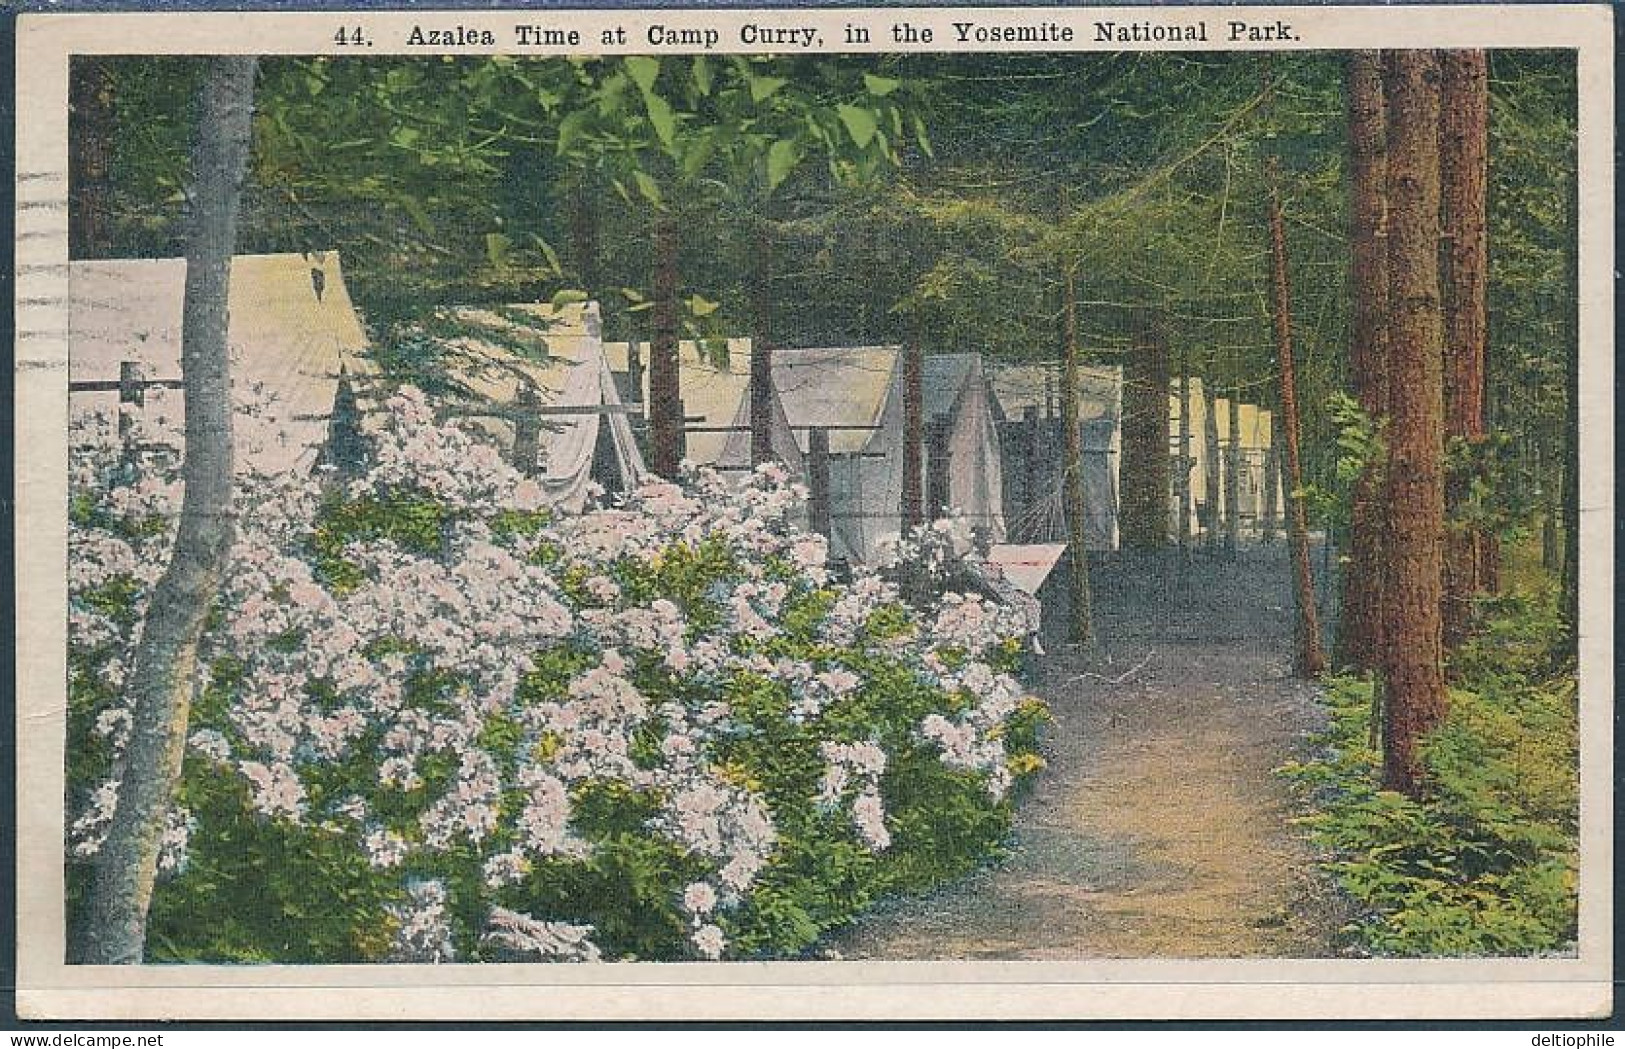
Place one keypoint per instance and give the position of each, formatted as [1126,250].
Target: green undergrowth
[1487,864]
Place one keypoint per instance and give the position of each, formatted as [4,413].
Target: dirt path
[1159,829]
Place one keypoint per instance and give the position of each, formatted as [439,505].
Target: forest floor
[1159,828]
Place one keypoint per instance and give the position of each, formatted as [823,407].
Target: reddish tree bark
[1309,660]
[1360,620]
[1412,647]
[1463,178]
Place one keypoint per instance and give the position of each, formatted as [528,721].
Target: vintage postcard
[913,513]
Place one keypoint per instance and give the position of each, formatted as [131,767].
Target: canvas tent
[714,386]
[1027,402]
[293,333]
[1253,489]
[558,412]
[957,397]
[1254,426]
[857,393]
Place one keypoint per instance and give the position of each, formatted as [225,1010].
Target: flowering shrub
[437,722]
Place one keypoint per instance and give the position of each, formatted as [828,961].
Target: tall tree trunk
[1272,482]
[665,393]
[1212,476]
[1082,622]
[1182,471]
[1412,656]
[1463,178]
[912,505]
[1310,661]
[1145,435]
[161,680]
[761,358]
[1360,619]
[585,251]
[1569,581]
[90,156]
[1232,477]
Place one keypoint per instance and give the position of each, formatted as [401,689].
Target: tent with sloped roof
[536,379]
[1027,403]
[955,394]
[856,393]
[293,333]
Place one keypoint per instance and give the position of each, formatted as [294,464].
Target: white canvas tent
[1027,403]
[1254,425]
[715,389]
[955,389]
[533,361]
[857,392]
[293,331]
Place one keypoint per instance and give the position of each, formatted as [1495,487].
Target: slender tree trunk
[912,507]
[1412,656]
[90,155]
[1272,482]
[761,358]
[161,680]
[1212,476]
[1463,178]
[1569,582]
[1182,475]
[1145,436]
[1310,660]
[665,393]
[1082,622]
[1360,619]
[585,251]
[1232,477]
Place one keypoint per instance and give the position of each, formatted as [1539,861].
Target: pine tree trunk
[1463,178]
[164,670]
[1232,478]
[1272,482]
[1310,661]
[1412,650]
[1145,436]
[1569,581]
[912,506]
[665,393]
[1360,619]
[761,359]
[1082,621]
[1212,477]
[1182,471]
[90,155]
[584,240]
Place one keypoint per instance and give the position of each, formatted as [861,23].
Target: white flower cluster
[862,765]
[415,663]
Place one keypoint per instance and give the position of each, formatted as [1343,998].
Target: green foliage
[1487,864]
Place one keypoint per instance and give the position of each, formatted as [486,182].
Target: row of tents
[566,405]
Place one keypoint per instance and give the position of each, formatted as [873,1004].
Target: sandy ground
[1159,829]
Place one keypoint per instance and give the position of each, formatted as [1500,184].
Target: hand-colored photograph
[822,507]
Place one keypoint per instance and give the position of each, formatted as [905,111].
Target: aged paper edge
[47,988]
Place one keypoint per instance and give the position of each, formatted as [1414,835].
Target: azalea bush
[437,721]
